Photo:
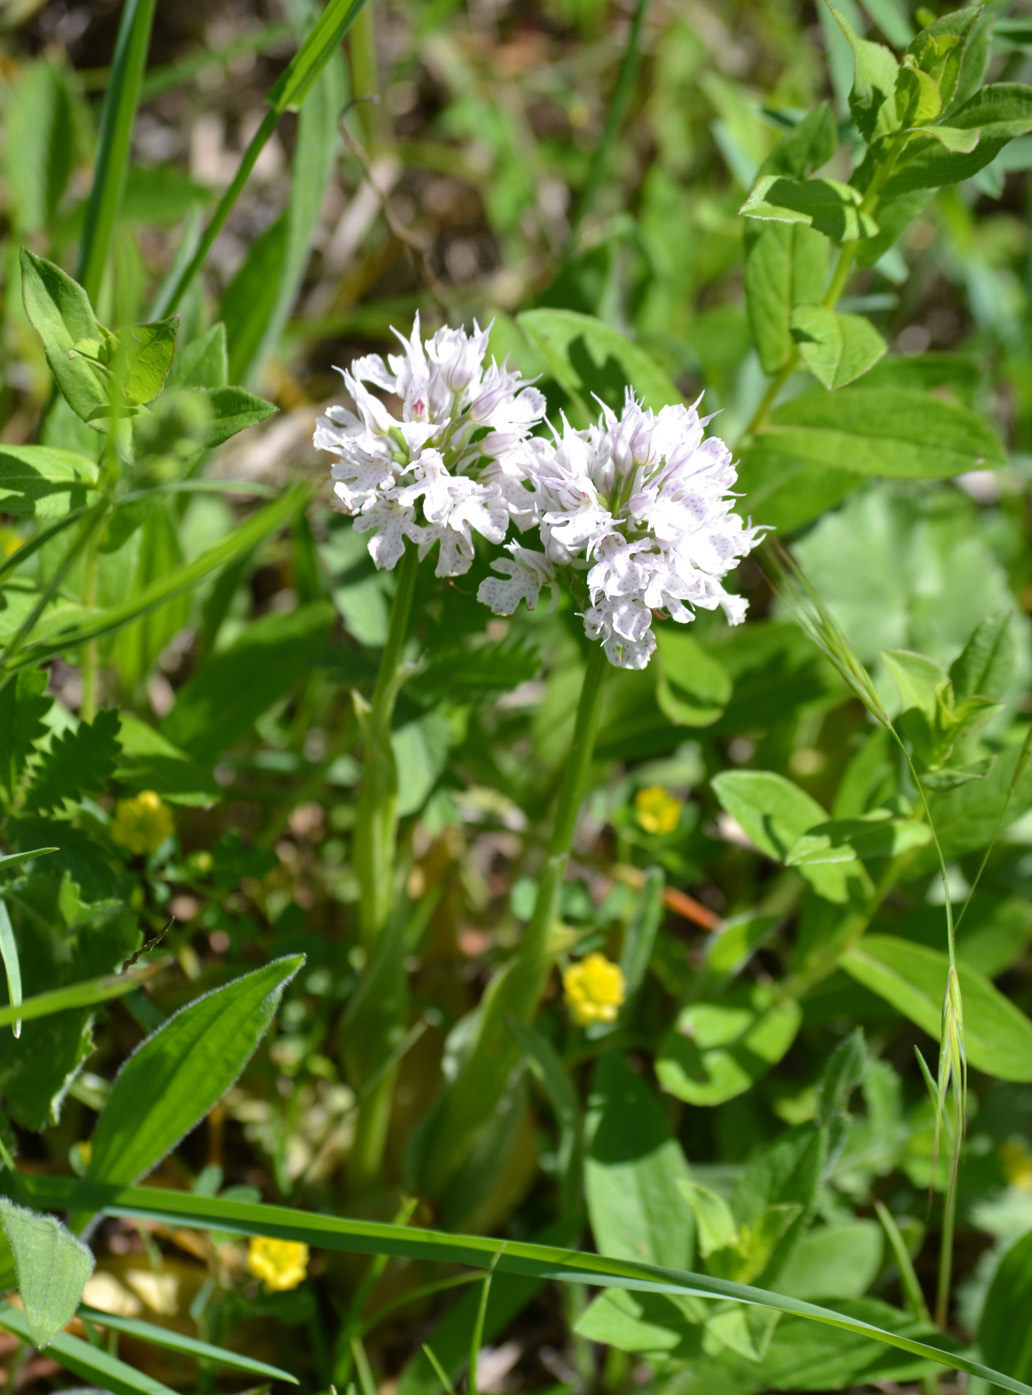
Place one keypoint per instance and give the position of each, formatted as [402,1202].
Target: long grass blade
[76,995]
[477,1251]
[186,1346]
[116,128]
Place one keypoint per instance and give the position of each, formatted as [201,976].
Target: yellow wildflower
[594,989]
[280,1264]
[143,823]
[657,809]
[1016,1161]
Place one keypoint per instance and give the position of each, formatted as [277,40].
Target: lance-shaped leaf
[180,1072]
[60,313]
[52,1267]
[873,98]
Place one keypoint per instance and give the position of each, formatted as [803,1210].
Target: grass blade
[116,127]
[481,1252]
[9,954]
[186,1346]
[95,1365]
[77,995]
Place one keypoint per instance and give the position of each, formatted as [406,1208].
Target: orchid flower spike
[438,471]
[636,515]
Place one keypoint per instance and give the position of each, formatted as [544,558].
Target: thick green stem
[514,993]
[377,816]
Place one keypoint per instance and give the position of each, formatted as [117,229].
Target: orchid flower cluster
[634,515]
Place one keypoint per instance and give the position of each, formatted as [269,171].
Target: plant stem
[491,1053]
[90,656]
[377,817]
[365,80]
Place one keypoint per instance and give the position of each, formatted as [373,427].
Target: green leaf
[587,356]
[78,995]
[773,812]
[227,695]
[834,346]
[1004,1332]
[52,1266]
[940,49]
[182,1070]
[874,835]
[786,265]
[203,363]
[482,1252]
[149,761]
[719,1050]
[872,100]
[78,762]
[997,1035]
[547,1067]
[918,99]
[918,678]
[985,666]
[9,949]
[60,313]
[1000,112]
[318,49]
[231,410]
[44,482]
[835,1262]
[23,706]
[632,1172]
[39,144]
[101,1370]
[693,687]
[827,205]
[148,353]
[817,448]
[171,1340]
[714,1222]
[113,143]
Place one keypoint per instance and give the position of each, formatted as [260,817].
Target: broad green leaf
[180,1072]
[714,1223]
[587,356]
[875,835]
[78,762]
[60,313]
[203,363]
[171,1340]
[773,812]
[645,1322]
[787,264]
[39,144]
[101,1370]
[997,1035]
[148,351]
[482,1252]
[44,482]
[226,696]
[918,99]
[999,112]
[779,1189]
[730,947]
[1004,1331]
[917,677]
[52,1267]
[817,448]
[985,666]
[632,1171]
[149,761]
[9,949]
[717,1050]
[232,410]
[835,1262]
[940,49]
[834,346]
[827,205]
[872,100]
[693,688]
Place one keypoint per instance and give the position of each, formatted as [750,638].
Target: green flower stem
[490,1056]
[377,815]
[376,1020]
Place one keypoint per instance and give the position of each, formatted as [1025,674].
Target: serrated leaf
[78,762]
[828,205]
[44,482]
[181,1071]
[52,1267]
[23,705]
[836,347]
